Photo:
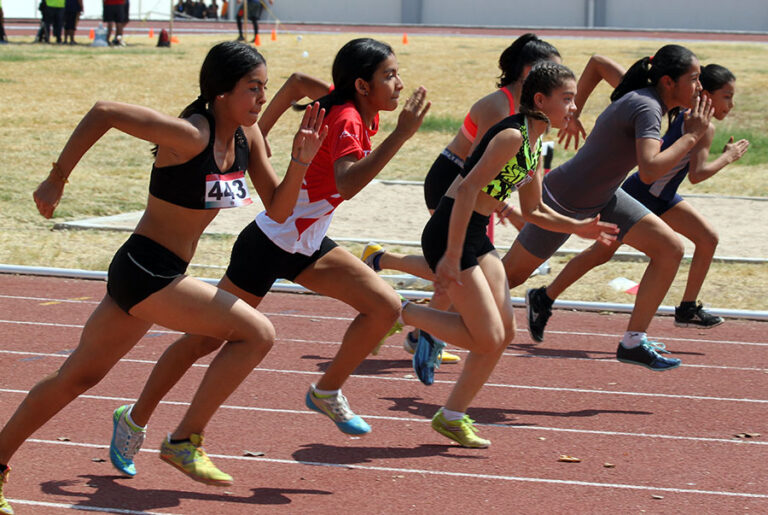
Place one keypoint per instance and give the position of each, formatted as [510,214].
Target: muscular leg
[107,336]
[592,257]
[199,308]
[341,275]
[655,239]
[479,366]
[684,219]
[178,358]
[519,264]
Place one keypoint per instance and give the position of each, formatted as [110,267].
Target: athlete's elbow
[278,215]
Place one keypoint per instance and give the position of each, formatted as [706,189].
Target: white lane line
[464,475]
[737,441]
[451,382]
[459,351]
[81,507]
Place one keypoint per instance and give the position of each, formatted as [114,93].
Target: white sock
[325,393]
[452,416]
[131,422]
[632,339]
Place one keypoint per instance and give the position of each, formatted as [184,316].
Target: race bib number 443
[226,190]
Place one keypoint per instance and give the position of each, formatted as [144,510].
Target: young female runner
[661,197]
[626,134]
[515,62]
[201,158]
[455,244]
[366,81]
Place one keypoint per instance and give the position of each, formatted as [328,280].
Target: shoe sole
[211,482]
[698,326]
[530,322]
[449,434]
[630,362]
[112,459]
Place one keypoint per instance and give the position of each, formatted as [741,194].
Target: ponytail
[526,50]
[670,60]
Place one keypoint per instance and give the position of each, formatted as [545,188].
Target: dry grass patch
[47,89]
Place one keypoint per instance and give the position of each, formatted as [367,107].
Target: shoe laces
[656,347]
[339,406]
[468,425]
[132,441]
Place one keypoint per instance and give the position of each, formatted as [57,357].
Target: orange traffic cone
[257,40]
[405,38]
[151,33]
[274,34]
[174,39]
[91,34]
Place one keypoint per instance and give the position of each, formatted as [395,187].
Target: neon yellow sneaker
[371,255]
[462,431]
[412,339]
[5,508]
[190,458]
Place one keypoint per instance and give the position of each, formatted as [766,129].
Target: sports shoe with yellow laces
[462,431]
[5,508]
[412,340]
[190,458]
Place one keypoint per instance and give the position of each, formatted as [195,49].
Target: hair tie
[650,59]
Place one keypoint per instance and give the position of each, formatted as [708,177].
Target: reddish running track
[661,442]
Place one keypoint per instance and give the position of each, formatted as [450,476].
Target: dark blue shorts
[640,191]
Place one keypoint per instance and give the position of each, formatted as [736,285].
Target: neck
[367,112]
[666,98]
[536,128]
[516,88]
[225,127]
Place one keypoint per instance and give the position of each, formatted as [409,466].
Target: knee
[262,336]
[669,251]
[708,241]
[79,382]
[386,306]
[494,341]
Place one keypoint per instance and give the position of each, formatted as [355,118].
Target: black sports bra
[198,183]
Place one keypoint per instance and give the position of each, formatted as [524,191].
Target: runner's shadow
[536,350]
[510,417]
[108,492]
[369,366]
[323,453]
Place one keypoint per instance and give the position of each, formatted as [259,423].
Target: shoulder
[491,108]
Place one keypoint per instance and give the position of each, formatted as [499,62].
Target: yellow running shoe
[371,255]
[5,508]
[412,339]
[190,458]
[462,431]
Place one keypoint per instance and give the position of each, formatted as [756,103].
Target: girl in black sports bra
[200,160]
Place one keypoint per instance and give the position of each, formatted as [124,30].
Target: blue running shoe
[337,409]
[427,357]
[648,355]
[126,441]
